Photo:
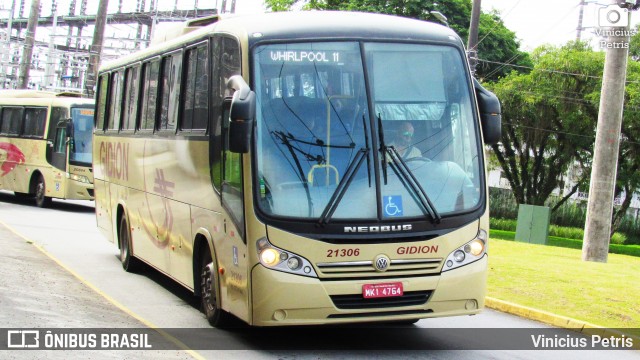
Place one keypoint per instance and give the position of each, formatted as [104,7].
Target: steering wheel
[417,158]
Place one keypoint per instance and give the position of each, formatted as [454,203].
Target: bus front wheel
[129,263]
[208,295]
[42,200]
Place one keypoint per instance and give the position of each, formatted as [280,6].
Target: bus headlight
[466,254]
[282,260]
[269,257]
[79,178]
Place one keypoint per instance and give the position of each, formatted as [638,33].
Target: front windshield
[319,147]
[82,119]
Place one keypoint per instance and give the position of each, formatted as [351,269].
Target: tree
[280,5]
[548,120]
[498,49]
[634,44]
[497,44]
[628,173]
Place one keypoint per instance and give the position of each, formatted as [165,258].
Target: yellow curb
[558,320]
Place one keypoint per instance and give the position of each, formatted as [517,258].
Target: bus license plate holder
[372,291]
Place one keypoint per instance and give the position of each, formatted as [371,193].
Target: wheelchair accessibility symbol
[392,205]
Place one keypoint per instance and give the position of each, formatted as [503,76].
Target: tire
[21,195]
[42,201]
[209,301]
[129,262]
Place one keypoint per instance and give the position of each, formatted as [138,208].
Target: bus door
[59,159]
[59,156]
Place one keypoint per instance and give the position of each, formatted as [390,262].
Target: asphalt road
[58,272]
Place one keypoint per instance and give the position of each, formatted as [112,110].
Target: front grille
[380,314]
[357,301]
[365,269]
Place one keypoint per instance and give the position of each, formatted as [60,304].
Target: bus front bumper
[77,190]
[285,299]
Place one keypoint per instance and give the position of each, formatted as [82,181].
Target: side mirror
[241,115]
[70,129]
[490,114]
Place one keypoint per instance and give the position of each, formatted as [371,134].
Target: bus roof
[304,25]
[298,26]
[25,94]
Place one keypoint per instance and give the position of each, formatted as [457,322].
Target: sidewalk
[37,292]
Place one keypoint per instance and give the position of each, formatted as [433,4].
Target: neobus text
[376,229]
[115,160]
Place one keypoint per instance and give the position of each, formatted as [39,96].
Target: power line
[497,23]
[551,131]
[516,56]
[551,71]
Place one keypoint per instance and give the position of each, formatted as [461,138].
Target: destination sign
[305,56]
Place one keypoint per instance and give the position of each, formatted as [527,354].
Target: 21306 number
[343,252]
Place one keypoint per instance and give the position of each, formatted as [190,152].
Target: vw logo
[381,263]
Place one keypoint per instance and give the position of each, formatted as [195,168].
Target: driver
[403,142]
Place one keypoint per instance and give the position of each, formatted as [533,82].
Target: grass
[555,279]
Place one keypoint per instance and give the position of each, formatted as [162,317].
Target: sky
[535,22]
[538,22]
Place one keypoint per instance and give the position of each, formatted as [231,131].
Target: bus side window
[103,86]
[61,140]
[34,121]
[11,120]
[215,136]
[149,85]
[170,91]
[231,187]
[130,98]
[115,101]
[195,112]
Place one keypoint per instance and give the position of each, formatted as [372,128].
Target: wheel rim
[40,191]
[124,241]
[208,293]
[123,247]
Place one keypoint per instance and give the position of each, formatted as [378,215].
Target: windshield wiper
[366,143]
[341,189]
[383,149]
[282,137]
[401,168]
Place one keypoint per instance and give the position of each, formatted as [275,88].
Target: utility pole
[580,18]
[50,67]
[29,40]
[472,42]
[597,231]
[96,48]
[6,53]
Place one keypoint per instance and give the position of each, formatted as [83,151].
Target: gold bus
[45,145]
[262,162]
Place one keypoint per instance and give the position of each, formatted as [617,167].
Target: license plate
[370,291]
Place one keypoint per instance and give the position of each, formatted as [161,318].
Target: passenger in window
[403,142]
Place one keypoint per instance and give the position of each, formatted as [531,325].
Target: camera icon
[613,16]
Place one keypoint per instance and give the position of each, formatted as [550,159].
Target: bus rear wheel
[42,201]
[129,263]
[208,295]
